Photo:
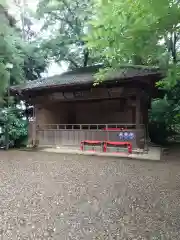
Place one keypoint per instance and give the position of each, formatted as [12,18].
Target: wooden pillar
[30,133]
[138,120]
[145,112]
[146,105]
[138,112]
[33,128]
[35,134]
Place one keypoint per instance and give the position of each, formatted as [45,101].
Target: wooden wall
[89,112]
[96,108]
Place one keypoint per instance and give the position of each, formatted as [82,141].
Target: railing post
[55,137]
[56,133]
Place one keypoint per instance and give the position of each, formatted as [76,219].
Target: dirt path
[52,196]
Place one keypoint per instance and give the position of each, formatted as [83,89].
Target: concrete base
[154,153]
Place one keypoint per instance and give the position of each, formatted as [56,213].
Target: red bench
[94,143]
[126,144]
[105,144]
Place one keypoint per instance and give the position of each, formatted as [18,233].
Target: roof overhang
[85,77]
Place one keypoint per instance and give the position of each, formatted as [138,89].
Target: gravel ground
[53,196]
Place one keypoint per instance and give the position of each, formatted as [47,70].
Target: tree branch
[72,62]
[174,40]
[66,21]
[67,6]
[69,10]
[86,57]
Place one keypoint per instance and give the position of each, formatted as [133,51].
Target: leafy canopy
[10,52]
[21,59]
[142,32]
[65,25]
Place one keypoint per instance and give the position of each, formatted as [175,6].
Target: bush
[162,119]
[13,121]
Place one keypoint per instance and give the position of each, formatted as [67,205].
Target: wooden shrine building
[68,108]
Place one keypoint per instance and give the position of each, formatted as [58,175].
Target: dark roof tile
[86,75]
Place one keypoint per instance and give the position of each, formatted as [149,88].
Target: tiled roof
[85,75]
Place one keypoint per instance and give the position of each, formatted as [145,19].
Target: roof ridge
[86,75]
[81,70]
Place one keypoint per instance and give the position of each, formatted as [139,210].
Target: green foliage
[161,120]
[67,21]
[35,57]
[27,58]
[159,108]
[17,124]
[35,61]
[21,50]
[164,117]
[143,32]
[10,52]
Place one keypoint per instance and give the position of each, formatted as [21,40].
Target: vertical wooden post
[138,112]
[145,112]
[146,121]
[36,143]
[33,129]
[138,119]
